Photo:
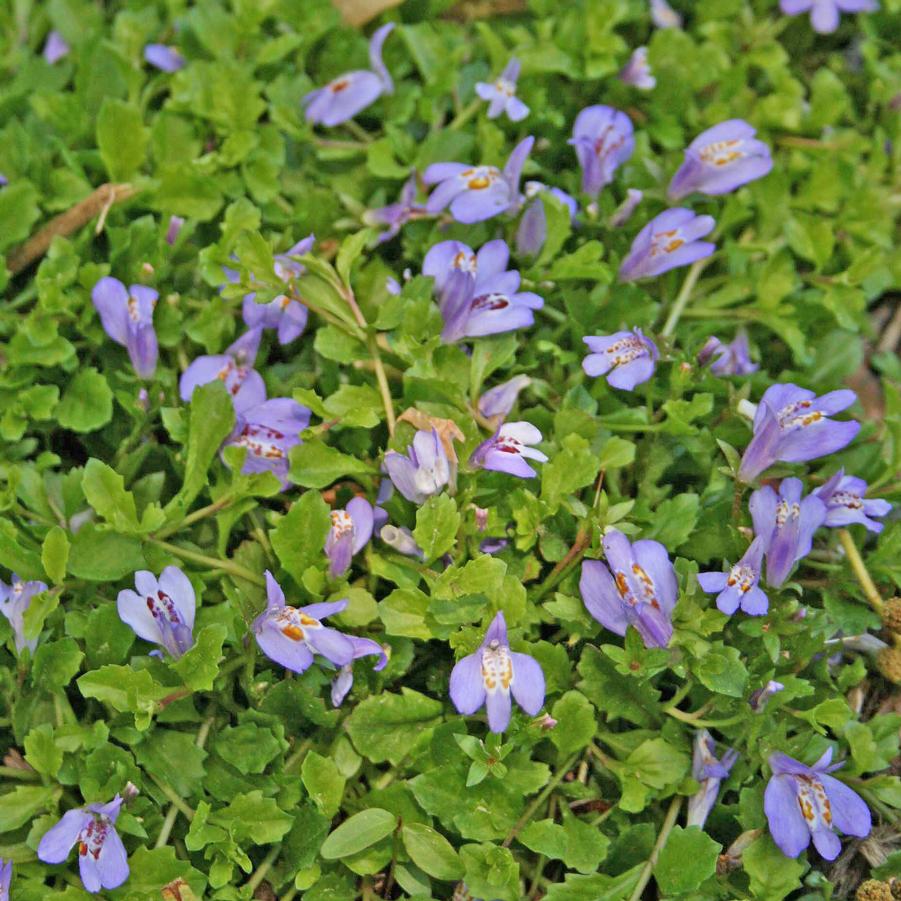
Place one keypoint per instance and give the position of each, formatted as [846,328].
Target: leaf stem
[682,297]
[228,566]
[465,114]
[223,502]
[259,874]
[860,570]
[668,823]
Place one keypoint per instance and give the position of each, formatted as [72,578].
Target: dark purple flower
[492,674]
[664,16]
[507,449]
[710,772]
[269,430]
[102,859]
[476,193]
[161,611]
[803,802]
[739,587]
[636,587]
[499,401]
[761,696]
[423,471]
[350,532]
[637,72]
[728,359]
[127,317]
[626,358]
[343,682]
[291,636]
[623,213]
[165,58]
[397,215]
[845,503]
[603,140]
[15,599]
[720,160]
[825,14]
[349,94]
[234,369]
[55,47]
[792,425]
[6,878]
[4,181]
[401,540]
[532,231]
[175,224]
[666,242]
[501,94]
[785,524]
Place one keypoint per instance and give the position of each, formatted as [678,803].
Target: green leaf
[431,851]
[491,872]
[105,491]
[358,832]
[316,465]
[721,670]
[174,757]
[596,887]
[102,556]
[251,817]
[773,875]
[22,804]
[577,844]
[56,663]
[249,748]
[55,554]
[351,248]
[18,212]
[323,782]
[688,858]
[572,468]
[87,403]
[299,538]
[199,665]
[674,520]
[121,138]
[576,712]
[616,453]
[437,523]
[126,690]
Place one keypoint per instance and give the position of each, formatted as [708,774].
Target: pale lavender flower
[720,160]
[127,317]
[637,72]
[345,96]
[626,358]
[164,58]
[172,232]
[343,682]
[55,47]
[392,286]
[792,425]
[4,181]
[501,94]
[102,858]
[532,231]
[6,878]
[710,772]
[234,369]
[491,674]
[803,802]
[423,471]
[603,140]
[476,193]
[401,540]
[623,213]
[492,545]
[664,16]
[826,14]
[499,401]
[460,273]
[397,215]
[636,587]
[666,242]
[761,696]
[739,587]
[728,359]
[507,449]
[785,524]
[15,599]
[845,503]
[350,533]
[161,610]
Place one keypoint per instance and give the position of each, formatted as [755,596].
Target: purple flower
[292,635]
[761,696]
[175,224]
[6,878]
[729,359]
[102,859]
[396,215]
[234,369]
[349,94]
[343,682]
[425,469]
[127,317]
[401,540]
[626,358]
[269,430]
[501,94]
[792,425]
[636,587]
[15,599]
[4,181]
[666,242]
[785,524]
[710,772]
[739,587]
[664,16]
[845,503]
[507,449]
[825,14]
[459,273]
[803,802]
[603,140]
[637,72]
[161,611]
[476,193]
[350,532]
[167,59]
[532,231]
[55,47]
[720,160]
[623,213]
[492,545]
[492,674]
[499,401]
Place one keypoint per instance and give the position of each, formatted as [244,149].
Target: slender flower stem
[228,566]
[259,874]
[860,570]
[683,296]
[197,515]
[171,795]
[665,830]
[358,131]
[695,720]
[465,114]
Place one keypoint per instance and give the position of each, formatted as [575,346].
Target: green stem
[465,114]
[223,502]
[259,874]
[13,772]
[228,566]
[694,719]
[665,830]
[870,591]
[172,796]
[682,297]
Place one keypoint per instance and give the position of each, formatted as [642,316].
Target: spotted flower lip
[499,401]
[350,533]
[739,586]
[343,682]
[508,448]
[626,358]
[102,859]
[532,231]
[161,610]
[476,193]
[668,241]
[635,587]
[805,802]
[720,160]
[492,674]
[792,425]
[603,140]
[637,72]
[501,94]
[728,359]
[15,599]
[709,772]
[825,15]
[844,497]
[348,94]
[127,317]
[423,471]
[292,636]
[55,47]
[164,58]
